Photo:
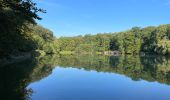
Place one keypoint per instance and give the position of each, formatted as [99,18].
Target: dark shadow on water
[15,78]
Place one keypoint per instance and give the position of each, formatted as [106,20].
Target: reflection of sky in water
[78,84]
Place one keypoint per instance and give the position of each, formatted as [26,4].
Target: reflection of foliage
[44,67]
[147,68]
[15,78]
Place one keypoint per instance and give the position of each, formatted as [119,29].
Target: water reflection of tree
[16,77]
[150,68]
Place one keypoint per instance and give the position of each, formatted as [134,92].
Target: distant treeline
[134,41]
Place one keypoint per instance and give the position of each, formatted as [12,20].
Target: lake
[87,77]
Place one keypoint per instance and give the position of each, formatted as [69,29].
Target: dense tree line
[85,44]
[134,41]
[149,39]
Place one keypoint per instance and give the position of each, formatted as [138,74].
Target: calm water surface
[87,78]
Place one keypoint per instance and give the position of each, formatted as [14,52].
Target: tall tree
[15,15]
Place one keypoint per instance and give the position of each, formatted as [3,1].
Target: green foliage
[134,41]
[18,29]
[86,44]
[43,39]
[14,17]
[19,33]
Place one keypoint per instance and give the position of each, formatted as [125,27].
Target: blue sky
[79,17]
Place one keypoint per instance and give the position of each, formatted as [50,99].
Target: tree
[15,15]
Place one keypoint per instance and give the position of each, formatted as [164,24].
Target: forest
[148,40]
[20,34]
